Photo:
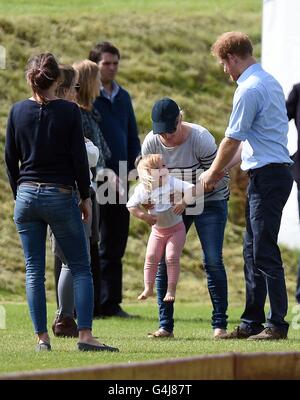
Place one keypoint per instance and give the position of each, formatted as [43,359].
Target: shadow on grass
[177,319]
[154,318]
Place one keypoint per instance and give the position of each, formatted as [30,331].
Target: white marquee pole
[281,57]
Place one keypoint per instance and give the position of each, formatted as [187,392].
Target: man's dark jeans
[114,227]
[210,226]
[268,190]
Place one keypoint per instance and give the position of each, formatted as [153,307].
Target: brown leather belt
[47,184]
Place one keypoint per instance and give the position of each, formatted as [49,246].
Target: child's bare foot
[169,297]
[145,294]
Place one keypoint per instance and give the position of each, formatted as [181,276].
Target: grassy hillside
[165,49]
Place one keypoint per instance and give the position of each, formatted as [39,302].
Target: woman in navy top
[46,160]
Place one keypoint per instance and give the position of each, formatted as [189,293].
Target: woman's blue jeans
[210,227]
[37,207]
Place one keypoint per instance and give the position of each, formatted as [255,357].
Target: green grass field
[193,336]
[165,49]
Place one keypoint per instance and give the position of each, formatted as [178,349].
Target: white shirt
[92,154]
[161,198]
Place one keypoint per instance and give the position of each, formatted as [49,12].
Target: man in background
[119,128]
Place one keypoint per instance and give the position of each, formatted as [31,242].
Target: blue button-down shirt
[259,119]
[110,96]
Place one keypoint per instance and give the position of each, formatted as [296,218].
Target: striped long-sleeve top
[188,160]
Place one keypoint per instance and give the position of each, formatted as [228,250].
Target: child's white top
[160,197]
[92,155]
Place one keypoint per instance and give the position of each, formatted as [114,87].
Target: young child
[168,231]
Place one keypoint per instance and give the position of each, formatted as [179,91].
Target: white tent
[281,57]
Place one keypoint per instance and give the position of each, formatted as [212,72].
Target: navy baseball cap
[164,116]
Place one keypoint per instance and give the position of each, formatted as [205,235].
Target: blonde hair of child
[145,165]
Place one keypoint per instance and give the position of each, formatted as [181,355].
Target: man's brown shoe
[269,334]
[237,333]
[65,327]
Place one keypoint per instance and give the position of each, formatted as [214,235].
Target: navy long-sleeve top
[45,143]
[119,129]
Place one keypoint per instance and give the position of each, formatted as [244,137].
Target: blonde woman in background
[88,78]
[64,323]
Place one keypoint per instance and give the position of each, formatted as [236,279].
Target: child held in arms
[168,232]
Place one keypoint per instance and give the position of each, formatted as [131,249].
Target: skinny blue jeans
[65,290]
[210,227]
[35,209]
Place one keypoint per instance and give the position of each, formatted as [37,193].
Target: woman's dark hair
[103,47]
[67,76]
[41,71]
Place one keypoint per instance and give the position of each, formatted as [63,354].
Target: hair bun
[42,71]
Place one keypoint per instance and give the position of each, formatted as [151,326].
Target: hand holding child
[179,208]
[150,219]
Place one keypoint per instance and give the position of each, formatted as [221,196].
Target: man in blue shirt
[257,134]
[119,129]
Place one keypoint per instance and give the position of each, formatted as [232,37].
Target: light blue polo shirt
[259,119]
